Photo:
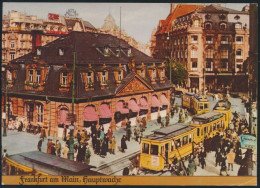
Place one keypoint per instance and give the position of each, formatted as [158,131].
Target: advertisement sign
[248,142]
[53,16]
[155,161]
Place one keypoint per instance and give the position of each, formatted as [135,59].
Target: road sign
[248,142]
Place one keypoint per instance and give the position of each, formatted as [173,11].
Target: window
[205,105]
[145,148]
[201,106]
[154,150]
[224,65]
[22,44]
[194,66]
[239,67]
[64,80]
[103,78]
[208,26]
[38,51]
[196,23]
[162,73]
[142,73]
[209,53]
[9,75]
[194,39]
[239,54]
[194,53]
[129,52]
[38,76]
[154,74]
[214,127]
[30,75]
[61,52]
[222,26]
[178,41]
[224,40]
[89,77]
[175,42]
[238,26]
[181,40]
[181,54]
[190,138]
[29,111]
[198,132]
[3,44]
[12,55]
[224,54]
[239,40]
[178,143]
[209,66]
[185,140]
[12,44]
[39,111]
[209,39]
[120,75]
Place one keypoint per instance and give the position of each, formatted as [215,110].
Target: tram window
[145,148]
[178,143]
[185,140]
[210,128]
[205,105]
[201,106]
[172,146]
[201,132]
[205,130]
[154,150]
[198,132]
[190,138]
[12,170]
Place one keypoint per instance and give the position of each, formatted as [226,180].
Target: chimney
[36,39]
[173,7]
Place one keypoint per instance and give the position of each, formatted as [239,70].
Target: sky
[137,19]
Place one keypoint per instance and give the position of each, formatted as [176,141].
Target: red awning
[164,100]
[143,103]
[120,108]
[104,111]
[90,114]
[155,102]
[63,116]
[132,105]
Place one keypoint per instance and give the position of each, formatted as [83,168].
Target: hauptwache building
[113,82]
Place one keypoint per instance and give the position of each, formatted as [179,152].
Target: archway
[165,103]
[105,116]
[133,111]
[62,121]
[155,107]
[90,117]
[121,113]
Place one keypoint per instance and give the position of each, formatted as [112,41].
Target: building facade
[112,83]
[212,42]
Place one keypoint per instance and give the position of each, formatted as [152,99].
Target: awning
[132,105]
[104,111]
[164,100]
[155,102]
[143,103]
[120,108]
[63,116]
[90,114]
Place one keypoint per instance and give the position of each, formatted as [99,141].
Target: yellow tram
[198,104]
[224,106]
[39,163]
[208,125]
[173,140]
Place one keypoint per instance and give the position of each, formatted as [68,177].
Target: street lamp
[4,120]
[71,141]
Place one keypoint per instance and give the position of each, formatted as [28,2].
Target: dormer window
[64,79]
[208,26]
[118,53]
[222,26]
[9,76]
[162,74]
[30,75]
[196,23]
[238,26]
[224,40]
[129,52]
[61,52]
[89,78]
[38,76]
[120,75]
[38,51]
[142,73]
[103,78]
[106,52]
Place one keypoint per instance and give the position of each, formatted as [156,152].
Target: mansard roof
[89,48]
[220,9]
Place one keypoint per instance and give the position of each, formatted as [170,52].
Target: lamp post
[4,120]
[5,103]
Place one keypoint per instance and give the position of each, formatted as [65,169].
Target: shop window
[154,150]
[39,111]
[145,148]
[209,39]
[239,40]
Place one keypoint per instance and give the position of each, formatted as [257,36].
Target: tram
[224,106]
[197,104]
[164,144]
[39,163]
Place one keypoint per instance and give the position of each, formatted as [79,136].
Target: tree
[179,73]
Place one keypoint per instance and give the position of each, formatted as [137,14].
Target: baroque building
[112,83]
[212,42]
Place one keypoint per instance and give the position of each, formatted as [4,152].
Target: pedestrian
[162,124]
[144,123]
[230,157]
[223,165]
[172,112]
[191,168]
[136,134]
[218,157]
[243,171]
[113,145]
[93,129]
[39,146]
[83,136]
[167,120]
[110,133]
[81,152]
[65,151]
[128,130]
[58,148]
[4,155]
[103,152]
[43,134]
[94,141]
[53,149]
[49,146]
[202,156]
[102,133]
[79,136]
[88,154]
[123,143]
[64,133]
[249,161]
[97,148]
[159,119]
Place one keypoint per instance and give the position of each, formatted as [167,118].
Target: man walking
[39,146]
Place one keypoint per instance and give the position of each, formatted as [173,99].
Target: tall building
[17,31]
[211,41]
[112,82]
